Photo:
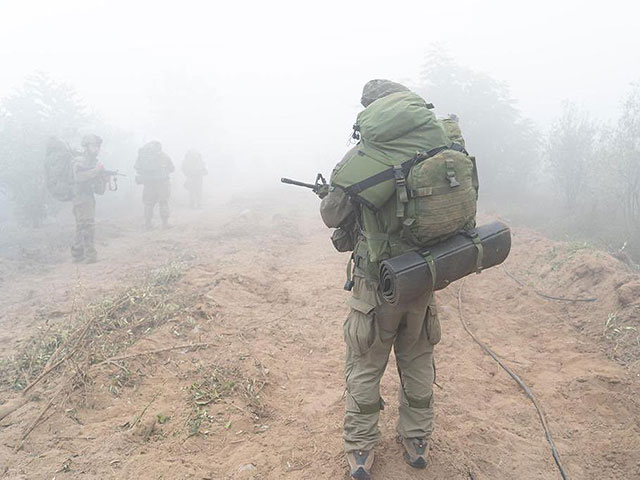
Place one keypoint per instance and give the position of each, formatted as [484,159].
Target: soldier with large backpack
[88,180]
[404,186]
[77,176]
[153,168]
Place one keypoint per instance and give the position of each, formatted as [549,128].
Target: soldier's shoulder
[347,156]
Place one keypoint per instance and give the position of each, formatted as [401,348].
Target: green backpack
[405,155]
[58,169]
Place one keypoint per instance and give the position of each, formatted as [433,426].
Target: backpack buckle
[451,174]
[398,174]
[401,189]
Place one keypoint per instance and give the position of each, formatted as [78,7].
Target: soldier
[89,179]
[373,326]
[153,168]
[194,169]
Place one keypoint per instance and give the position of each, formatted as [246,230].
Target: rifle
[112,179]
[319,184]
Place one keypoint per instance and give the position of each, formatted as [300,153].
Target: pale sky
[274,80]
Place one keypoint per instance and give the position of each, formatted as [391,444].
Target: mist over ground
[270,90]
[210,342]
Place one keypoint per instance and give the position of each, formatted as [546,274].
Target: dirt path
[262,285]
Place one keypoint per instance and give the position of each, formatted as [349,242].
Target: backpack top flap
[58,169]
[393,130]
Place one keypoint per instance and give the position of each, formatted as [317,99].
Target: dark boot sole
[420,463]
[360,474]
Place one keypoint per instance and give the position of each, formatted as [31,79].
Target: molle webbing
[441,190]
[390,173]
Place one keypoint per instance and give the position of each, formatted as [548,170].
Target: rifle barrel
[297,183]
[113,173]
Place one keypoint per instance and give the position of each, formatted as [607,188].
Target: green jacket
[392,129]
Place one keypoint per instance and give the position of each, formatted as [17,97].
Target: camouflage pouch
[342,240]
[432,322]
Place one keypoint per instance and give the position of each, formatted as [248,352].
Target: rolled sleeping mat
[407,276]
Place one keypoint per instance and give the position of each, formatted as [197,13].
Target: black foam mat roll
[407,276]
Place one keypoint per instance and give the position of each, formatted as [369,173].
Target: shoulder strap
[392,172]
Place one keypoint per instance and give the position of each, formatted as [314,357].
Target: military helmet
[152,146]
[91,139]
[378,88]
[193,154]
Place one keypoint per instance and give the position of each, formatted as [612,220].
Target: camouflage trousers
[371,329]
[156,192]
[84,212]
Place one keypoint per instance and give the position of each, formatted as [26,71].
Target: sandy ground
[261,286]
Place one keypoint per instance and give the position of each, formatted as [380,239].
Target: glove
[323,191]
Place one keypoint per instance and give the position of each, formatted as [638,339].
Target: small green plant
[613,330]
[198,416]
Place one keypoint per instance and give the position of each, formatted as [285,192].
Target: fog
[191,320]
[266,90]
[278,83]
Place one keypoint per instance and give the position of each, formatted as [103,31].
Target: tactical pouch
[433,325]
[342,240]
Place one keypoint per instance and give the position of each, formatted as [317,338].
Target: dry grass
[623,337]
[100,330]
[219,383]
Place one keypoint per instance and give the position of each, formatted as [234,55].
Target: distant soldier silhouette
[88,179]
[194,169]
[153,168]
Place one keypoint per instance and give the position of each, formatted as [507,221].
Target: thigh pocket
[432,323]
[360,330]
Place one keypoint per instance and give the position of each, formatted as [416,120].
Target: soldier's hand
[323,191]
[99,166]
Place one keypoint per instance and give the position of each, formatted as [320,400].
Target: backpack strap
[459,148]
[390,174]
[401,190]
[475,238]
[474,176]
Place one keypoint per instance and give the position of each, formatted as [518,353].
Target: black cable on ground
[527,390]
[544,295]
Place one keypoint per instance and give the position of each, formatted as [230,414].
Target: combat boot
[360,462]
[415,451]
[77,253]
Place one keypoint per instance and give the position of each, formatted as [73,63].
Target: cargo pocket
[360,330]
[433,324]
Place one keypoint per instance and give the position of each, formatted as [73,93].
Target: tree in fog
[39,109]
[626,149]
[571,154]
[506,143]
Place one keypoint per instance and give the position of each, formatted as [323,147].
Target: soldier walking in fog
[153,168]
[194,169]
[377,231]
[88,179]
